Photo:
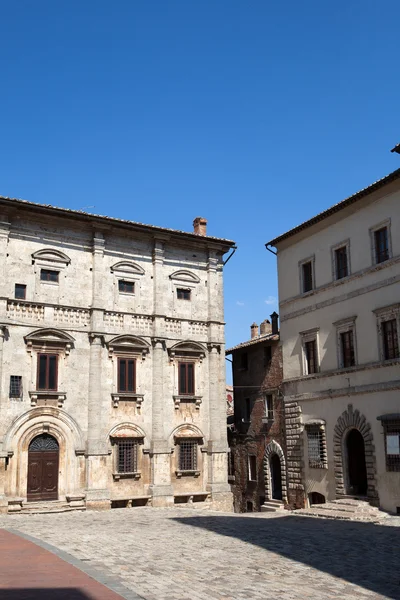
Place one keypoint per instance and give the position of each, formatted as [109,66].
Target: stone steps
[272,506]
[345,509]
[42,508]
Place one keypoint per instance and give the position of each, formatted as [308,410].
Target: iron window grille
[20,291]
[341,262]
[47,372]
[127,455]
[390,339]
[310,348]
[126,375]
[188,455]
[126,287]
[15,386]
[269,407]
[347,348]
[307,276]
[392,444]
[49,275]
[317,458]
[381,245]
[186,378]
[183,294]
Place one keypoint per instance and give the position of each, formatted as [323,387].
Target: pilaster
[3,475]
[3,334]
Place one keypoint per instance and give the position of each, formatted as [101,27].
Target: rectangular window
[252,467]
[267,355]
[126,375]
[269,407]
[248,407]
[188,455]
[127,456]
[390,339]
[186,378]
[316,446]
[20,291]
[381,245]
[307,273]
[311,356]
[15,386]
[126,287]
[244,361]
[183,294]
[48,275]
[347,348]
[392,445]
[47,372]
[341,264]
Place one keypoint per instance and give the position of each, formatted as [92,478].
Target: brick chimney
[265,327]
[254,330]
[200,226]
[274,319]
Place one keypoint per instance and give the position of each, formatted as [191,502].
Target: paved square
[184,554]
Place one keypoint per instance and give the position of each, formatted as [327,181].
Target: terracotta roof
[339,206]
[109,220]
[271,337]
[396,149]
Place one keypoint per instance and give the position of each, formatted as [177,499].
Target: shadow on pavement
[44,594]
[364,554]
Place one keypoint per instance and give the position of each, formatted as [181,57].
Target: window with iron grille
[126,287]
[49,275]
[310,349]
[15,386]
[47,372]
[316,446]
[186,378]
[252,467]
[381,245]
[127,455]
[269,407]
[188,455]
[392,444]
[126,375]
[20,291]
[341,263]
[307,272]
[347,348]
[390,339]
[183,294]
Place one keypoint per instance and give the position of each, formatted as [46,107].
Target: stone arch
[64,429]
[127,430]
[51,255]
[353,419]
[274,448]
[186,430]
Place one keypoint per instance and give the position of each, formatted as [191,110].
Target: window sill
[36,395]
[133,475]
[315,465]
[127,396]
[267,420]
[187,473]
[231,479]
[187,398]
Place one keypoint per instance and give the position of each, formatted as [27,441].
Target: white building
[339,292]
[112,374]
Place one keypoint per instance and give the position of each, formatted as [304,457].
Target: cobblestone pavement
[184,554]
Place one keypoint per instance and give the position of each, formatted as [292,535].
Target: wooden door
[43,459]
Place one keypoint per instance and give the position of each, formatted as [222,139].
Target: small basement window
[15,386]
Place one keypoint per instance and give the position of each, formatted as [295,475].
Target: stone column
[3,399]
[160,451]
[97,448]
[97,282]
[4,235]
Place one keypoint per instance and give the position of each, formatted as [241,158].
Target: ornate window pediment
[127,267]
[127,430]
[187,349]
[184,276]
[128,344]
[51,255]
[187,431]
[53,338]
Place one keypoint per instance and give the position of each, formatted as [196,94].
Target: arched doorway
[356,467]
[43,459]
[276,477]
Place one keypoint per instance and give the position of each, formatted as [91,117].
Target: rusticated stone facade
[111,361]
[257,437]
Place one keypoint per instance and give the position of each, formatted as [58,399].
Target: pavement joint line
[110,581]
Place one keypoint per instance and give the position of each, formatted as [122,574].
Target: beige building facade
[339,292]
[112,374]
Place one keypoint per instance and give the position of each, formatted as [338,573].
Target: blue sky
[255,115]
